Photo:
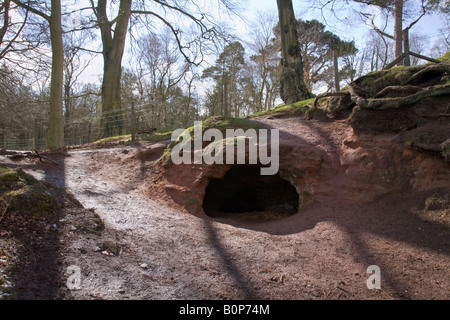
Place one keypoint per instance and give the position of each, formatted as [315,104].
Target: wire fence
[83,130]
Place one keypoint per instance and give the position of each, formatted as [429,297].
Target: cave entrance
[244,191]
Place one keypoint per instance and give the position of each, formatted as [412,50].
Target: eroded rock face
[321,160]
[244,189]
[186,184]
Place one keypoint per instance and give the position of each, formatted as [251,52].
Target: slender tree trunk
[67,101]
[6,21]
[162,119]
[113,49]
[133,122]
[293,86]
[336,71]
[55,135]
[225,98]
[398,29]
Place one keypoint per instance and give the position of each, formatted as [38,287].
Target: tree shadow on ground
[242,283]
[37,269]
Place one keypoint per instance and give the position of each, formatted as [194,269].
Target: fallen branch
[3,210]
[424,57]
[403,56]
[45,158]
[41,158]
[397,60]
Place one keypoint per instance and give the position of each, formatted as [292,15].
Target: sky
[346,24]
[349,25]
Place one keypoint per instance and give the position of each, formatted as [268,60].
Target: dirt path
[322,253]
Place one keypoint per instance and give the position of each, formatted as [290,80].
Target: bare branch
[33,10]
[9,45]
[174,31]
[380,32]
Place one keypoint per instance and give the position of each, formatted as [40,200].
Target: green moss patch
[20,192]
[295,109]
[220,123]
[372,83]
[437,203]
[445,57]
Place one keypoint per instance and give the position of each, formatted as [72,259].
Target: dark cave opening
[244,190]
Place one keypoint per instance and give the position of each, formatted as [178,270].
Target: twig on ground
[3,210]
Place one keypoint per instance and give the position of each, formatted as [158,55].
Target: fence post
[407,61]
[35,136]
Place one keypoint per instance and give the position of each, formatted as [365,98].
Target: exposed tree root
[391,90]
[398,89]
[361,97]
[390,103]
[440,68]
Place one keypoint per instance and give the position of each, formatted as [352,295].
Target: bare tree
[401,34]
[53,17]
[266,72]
[114,34]
[163,61]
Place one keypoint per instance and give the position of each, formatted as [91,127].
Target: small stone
[111,246]
[144,266]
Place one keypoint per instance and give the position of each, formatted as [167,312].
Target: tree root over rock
[360,95]
[398,102]
[391,101]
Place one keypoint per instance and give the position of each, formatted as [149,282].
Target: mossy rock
[372,83]
[436,203]
[290,110]
[24,194]
[445,57]
[89,222]
[32,200]
[14,178]
[220,123]
[446,150]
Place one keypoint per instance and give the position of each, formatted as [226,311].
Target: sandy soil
[322,253]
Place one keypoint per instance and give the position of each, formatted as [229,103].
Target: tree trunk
[133,122]
[6,21]
[293,86]
[55,135]
[162,119]
[113,49]
[336,71]
[225,98]
[398,29]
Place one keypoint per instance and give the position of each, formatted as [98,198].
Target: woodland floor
[322,253]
